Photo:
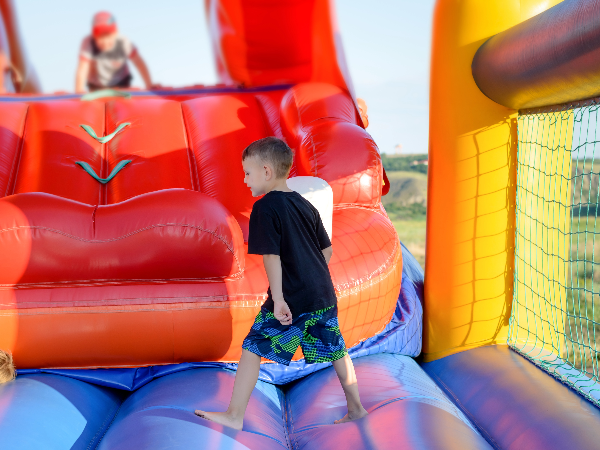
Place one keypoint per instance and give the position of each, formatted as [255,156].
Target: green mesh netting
[555,318]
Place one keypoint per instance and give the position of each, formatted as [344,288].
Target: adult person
[104,55]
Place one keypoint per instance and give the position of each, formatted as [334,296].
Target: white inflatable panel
[319,193]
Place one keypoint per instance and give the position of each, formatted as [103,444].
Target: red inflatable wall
[152,267]
[258,42]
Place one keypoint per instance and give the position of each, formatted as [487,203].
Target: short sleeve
[128,47]
[322,235]
[264,234]
[86,49]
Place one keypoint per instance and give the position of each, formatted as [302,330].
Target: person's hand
[282,312]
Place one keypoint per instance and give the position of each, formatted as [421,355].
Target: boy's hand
[282,312]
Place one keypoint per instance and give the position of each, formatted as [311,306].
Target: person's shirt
[107,68]
[288,225]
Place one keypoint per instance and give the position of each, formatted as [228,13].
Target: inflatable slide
[126,287]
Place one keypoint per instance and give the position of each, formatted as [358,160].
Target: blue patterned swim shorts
[318,333]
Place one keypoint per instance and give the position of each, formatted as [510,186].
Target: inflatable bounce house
[126,287]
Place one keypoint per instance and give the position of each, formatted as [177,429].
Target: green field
[412,234]
[406,205]
[582,327]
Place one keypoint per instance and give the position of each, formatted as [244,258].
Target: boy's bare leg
[345,372]
[245,381]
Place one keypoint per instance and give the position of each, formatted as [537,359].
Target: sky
[387,46]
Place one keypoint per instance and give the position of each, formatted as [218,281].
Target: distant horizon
[399,155]
[387,46]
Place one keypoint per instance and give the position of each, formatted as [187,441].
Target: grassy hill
[406,204]
[407,197]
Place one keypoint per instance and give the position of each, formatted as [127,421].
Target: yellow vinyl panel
[472,173]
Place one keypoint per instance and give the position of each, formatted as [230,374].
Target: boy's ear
[268,172]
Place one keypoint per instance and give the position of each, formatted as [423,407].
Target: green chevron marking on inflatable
[108,137]
[115,171]
[103,93]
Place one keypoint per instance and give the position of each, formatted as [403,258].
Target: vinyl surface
[151,267]
[515,404]
[407,411]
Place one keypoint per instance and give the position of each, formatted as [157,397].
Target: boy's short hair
[7,368]
[274,151]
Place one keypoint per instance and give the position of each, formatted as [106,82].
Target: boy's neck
[279,185]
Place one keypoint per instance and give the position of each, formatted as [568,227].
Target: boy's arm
[142,68]
[81,76]
[281,310]
[328,253]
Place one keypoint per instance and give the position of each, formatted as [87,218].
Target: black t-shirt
[288,225]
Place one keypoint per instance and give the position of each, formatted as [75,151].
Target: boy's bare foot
[221,417]
[352,416]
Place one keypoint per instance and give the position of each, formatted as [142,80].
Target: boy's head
[104,31]
[7,368]
[266,163]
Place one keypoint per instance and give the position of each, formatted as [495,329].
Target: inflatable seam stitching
[10,98]
[117,311]
[199,302]
[12,180]
[289,423]
[113,282]
[108,427]
[94,220]
[284,412]
[375,209]
[104,150]
[158,225]
[316,165]
[297,112]
[103,427]
[94,241]
[342,290]
[191,159]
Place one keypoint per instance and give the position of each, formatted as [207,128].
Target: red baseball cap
[103,23]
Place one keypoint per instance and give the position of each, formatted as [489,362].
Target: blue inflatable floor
[406,411]
[515,404]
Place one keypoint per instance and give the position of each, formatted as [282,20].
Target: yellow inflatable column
[471,200]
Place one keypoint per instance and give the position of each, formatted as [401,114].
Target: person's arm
[139,63]
[81,76]
[328,253]
[281,310]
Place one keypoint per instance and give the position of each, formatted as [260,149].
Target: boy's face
[257,175]
[106,42]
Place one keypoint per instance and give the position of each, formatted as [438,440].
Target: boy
[301,305]
[103,58]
